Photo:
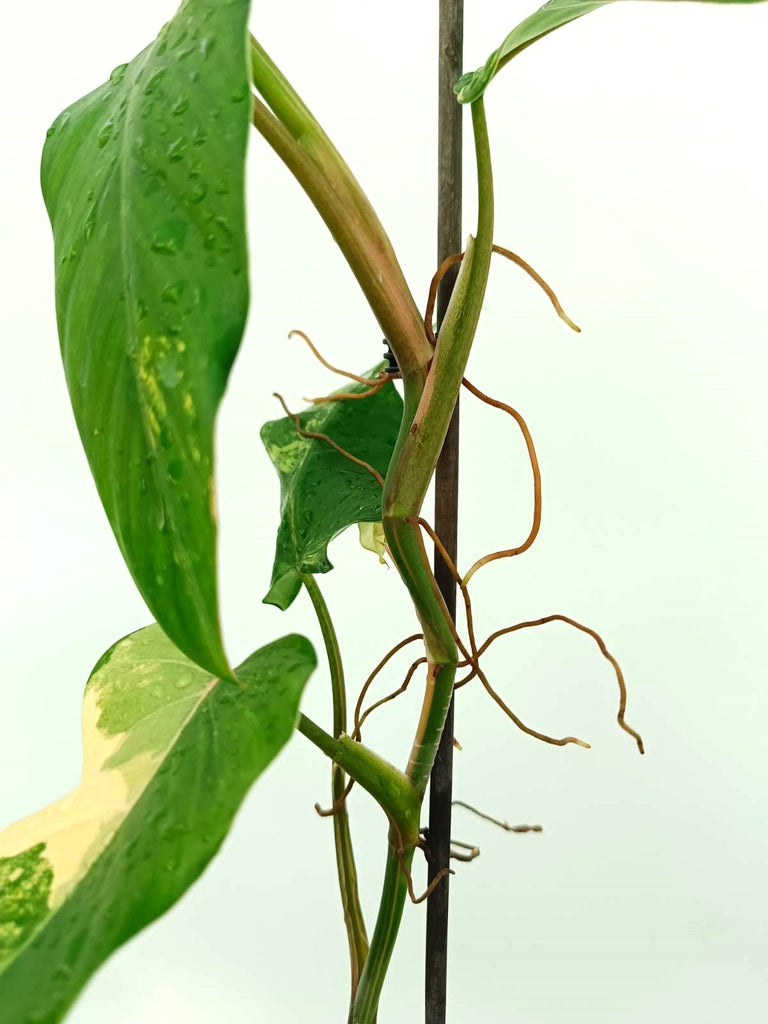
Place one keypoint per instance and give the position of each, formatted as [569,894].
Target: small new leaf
[169,753]
[143,181]
[552,15]
[322,492]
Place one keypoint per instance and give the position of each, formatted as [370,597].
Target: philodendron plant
[144,182]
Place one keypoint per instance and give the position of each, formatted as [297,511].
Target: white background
[631,164]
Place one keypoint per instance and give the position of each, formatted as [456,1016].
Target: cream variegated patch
[144,670]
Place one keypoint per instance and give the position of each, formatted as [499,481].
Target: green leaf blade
[144,184]
[321,492]
[169,754]
[552,15]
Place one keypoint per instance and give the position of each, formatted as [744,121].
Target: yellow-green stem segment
[345,857]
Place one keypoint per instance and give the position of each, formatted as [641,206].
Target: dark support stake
[449,240]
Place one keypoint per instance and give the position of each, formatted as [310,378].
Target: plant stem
[412,466]
[345,858]
[390,787]
[409,475]
[309,154]
[393,894]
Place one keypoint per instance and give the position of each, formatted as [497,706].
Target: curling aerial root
[369,681]
[409,879]
[316,436]
[603,650]
[472,654]
[451,261]
[329,366]
[360,719]
[536,525]
[338,804]
[504,825]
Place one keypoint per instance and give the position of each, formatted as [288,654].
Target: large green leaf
[169,754]
[322,492]
[143,180]
[549,17]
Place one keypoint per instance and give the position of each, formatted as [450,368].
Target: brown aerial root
[472,852]
[519,722]
[376,383]
[329,366]
[338,804]
[496,821]
[369,681]
[314,435]
[409,878]
[344,396]
[356,735]
[457,257]
[470,656]
[534,532]
[473,658]
[603,650]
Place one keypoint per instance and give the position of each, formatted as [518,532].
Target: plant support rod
[449,240]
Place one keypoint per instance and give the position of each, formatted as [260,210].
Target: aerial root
[338,804]
[368,682]
[472,654]
[473,657]
[409,879]
[603,650]
[385,700]
[344,396]
[314,435]
[472,852]
[376,383]
[334,369]
[496,821]
[519,722]
[451,261]
[510,552]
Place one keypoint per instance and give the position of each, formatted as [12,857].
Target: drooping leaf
[143,181]
[169,754]
[322,492]
[552,15]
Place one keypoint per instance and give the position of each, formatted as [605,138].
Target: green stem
[394,892]
[345,857]
[411,470]
[391,788]
[309,154]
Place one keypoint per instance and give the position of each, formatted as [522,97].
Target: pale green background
[631,165]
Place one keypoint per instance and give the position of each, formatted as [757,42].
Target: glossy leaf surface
[552,15]
[143,180]
[322,492]
[169,754]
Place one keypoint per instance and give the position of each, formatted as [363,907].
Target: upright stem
[345,858]
[449,239]
[412,466]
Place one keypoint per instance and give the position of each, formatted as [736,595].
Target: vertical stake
[449,239]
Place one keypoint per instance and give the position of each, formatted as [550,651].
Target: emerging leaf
[169,754]
[143,180]
[552,15]
[322,492]
[372,538]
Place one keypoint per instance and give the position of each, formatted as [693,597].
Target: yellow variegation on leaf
[169,753]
